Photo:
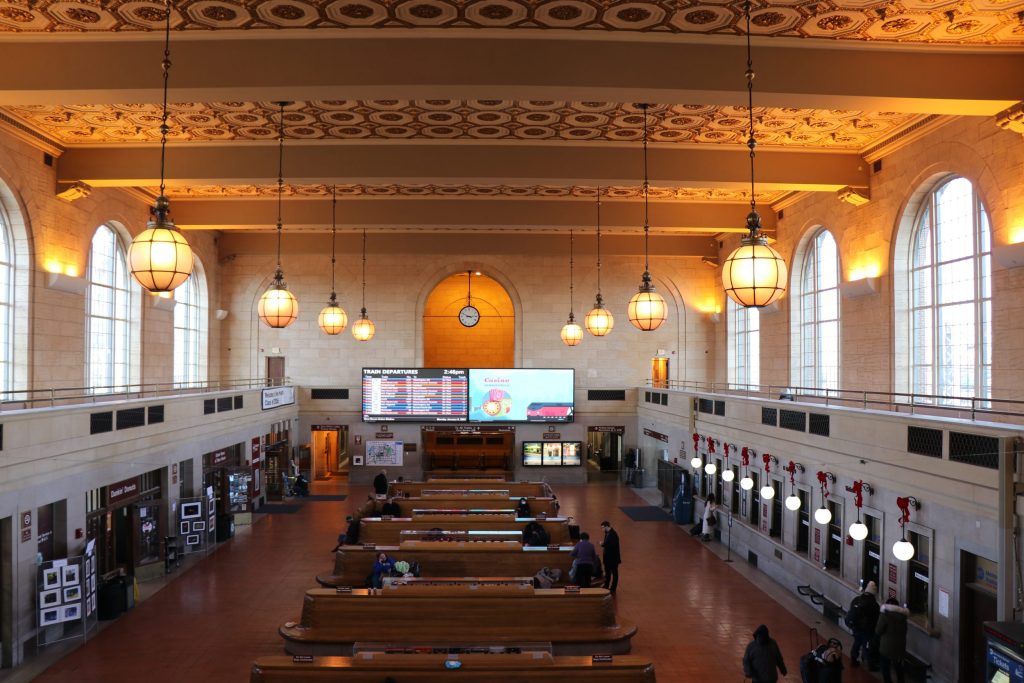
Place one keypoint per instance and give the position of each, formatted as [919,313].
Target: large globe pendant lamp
[754,275]
[572,333]
[160,258]
[599,321]
[647,309]
[278,307]
[332,318]
[363,329]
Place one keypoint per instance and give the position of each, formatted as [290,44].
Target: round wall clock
[469,316]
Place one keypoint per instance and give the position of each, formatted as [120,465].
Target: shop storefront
[127,519]
[277,454]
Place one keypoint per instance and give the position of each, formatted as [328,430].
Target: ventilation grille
[155,414]
[770,416]
[328,394]
[818,424]
[224,404]
[924,441]
[664,399]
[793,419]
[656,397]
[209,406]
[132,417]
[706,405]
[238,402]
[606,395]
[720,408]
[101,422]
[974,449]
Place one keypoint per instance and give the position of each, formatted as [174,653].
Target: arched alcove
[451,342]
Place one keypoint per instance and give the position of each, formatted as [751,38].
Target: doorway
[6,593]
[604,452]
[979,578]
[329,451]
[275,370]
[659,372]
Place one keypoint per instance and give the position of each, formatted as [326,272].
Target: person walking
[862,617]
[611,556]
[762,661]
[585,555]
[380,483]
[710,519]
[892,639]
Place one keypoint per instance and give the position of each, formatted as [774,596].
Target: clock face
[469,316]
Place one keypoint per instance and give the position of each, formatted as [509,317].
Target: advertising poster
[521,395]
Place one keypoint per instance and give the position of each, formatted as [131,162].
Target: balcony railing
[961,407]
[26,399]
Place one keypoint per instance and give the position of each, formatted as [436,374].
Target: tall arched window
[817,314]
[190,326]
[951,295]
[744,345]
[6,307]
[108,324]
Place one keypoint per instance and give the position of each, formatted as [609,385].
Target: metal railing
[962,407]
[27,399]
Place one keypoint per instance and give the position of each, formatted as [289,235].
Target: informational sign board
[384,453]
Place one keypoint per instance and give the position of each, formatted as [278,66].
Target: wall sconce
[904,549]
[856,196]
[823,515]
[1009,255]
[857,288]
[859,530]
[66,283]
[768,491]
[793,500]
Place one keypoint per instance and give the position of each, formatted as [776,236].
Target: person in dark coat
[351,534]
[611,556]
[862,620]
[762,662]
[391,508]
[585,555]
[892,639]
[523,508]
[380,483]
[829,662]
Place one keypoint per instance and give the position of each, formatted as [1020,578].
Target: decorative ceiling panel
[465,120]
[682,194]
[917,21]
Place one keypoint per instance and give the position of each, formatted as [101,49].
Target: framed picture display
[198,526]
[192,539]
[70,613]
[51,578]
[48,617]
[191,510]
[49,598]
[186,527]
[69,575]
[92,582]
[72,594]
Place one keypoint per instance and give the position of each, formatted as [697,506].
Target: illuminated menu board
[415,394]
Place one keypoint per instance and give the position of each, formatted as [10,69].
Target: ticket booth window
[775,530]
[871,562]
[755,500]
[834,538]
[919,574]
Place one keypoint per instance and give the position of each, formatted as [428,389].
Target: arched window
[951,295]
[816,315]
[108,359]
[744,345]
[190,331]
[6,307]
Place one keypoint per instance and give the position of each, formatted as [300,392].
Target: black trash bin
[113,598]
[225,527]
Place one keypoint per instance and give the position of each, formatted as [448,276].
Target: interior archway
[448,342]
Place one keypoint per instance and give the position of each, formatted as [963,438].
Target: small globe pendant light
[363,329]
[160,258]
[599,321]
[278,307]
[333,318]
[572,333]
[647,309]
[754,275]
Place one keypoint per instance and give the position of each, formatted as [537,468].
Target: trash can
[682,506]
[225,527]
[114,597]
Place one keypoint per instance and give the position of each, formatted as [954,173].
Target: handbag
[713,519]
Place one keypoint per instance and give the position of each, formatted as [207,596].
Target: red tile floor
[695,612]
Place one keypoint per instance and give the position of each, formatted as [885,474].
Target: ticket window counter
[1004,660]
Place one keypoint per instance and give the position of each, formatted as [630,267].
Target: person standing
[862,617]
[710,519]
[762,661]
[585,555]
[611,556]
[380,483]
[892,639]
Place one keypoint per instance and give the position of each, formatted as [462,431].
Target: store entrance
[329,451]
[604,452]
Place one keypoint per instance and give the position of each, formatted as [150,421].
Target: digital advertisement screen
[532,453]
[552,453]
[521,395]
[415,394]
[571,453]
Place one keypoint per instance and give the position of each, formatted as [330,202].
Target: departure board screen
[415,394]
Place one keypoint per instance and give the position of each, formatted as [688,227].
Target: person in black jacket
[380,483]
[391,509]
[611,557]
[862,619]
[523,508]
[763,657]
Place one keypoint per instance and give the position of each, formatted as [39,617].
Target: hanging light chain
[280,181]
[166,65]
[751,142]
[570,272]
[334,232]
[364,272]
[599,243]
[646,185]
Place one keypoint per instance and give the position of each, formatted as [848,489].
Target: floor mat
[280,509]
[339,496]
[646,513]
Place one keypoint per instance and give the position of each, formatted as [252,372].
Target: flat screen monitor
[571,453]
[521,395]
[552,453]
[415,394]
[532,453]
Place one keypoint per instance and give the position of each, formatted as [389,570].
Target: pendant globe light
[160,258]
[823,515]
[793,500]
[754,275]
[647,309]
[727,474]
[333,318]
[278,307]
[599,321]
[363,329]
[572,333]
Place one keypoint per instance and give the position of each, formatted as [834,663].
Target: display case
[240,490]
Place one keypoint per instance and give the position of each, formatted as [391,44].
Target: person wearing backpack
[762,657]
[862,618]
[892,639]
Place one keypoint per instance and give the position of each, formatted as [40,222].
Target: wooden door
[275,370]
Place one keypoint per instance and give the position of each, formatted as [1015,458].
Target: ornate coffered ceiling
[444,119]
[911,21]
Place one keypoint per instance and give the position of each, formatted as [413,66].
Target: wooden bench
[538,505]
[352,564]
[388,531]
[575,623]
[513,488]
[526,667]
